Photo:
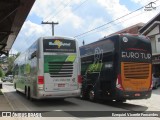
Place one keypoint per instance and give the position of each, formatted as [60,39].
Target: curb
[7,101]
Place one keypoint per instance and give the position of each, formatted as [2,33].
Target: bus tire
[25,92]
[156,86]
[15,85]
[83,95]
[91,95]
[29,95]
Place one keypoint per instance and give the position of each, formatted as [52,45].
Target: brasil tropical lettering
[136,55]
[59,43]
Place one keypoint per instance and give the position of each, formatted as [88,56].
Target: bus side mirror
[108,65]
[33,55]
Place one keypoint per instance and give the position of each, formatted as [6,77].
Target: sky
[79,16]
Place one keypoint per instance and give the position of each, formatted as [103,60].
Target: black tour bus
[117,68]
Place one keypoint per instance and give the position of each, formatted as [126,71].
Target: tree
[10,62]
[1,72]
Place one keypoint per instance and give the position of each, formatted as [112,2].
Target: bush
[1,73]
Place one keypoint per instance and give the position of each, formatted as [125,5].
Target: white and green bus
[49,68]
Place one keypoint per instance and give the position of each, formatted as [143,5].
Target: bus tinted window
[134,48]
[58,45]
[97,47]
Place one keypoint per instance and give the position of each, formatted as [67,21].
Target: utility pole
[52,23]
[83,42]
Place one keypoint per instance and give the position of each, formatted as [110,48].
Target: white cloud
[69,17]
[114,8]
[29,33]
[72,22]
[117,10]
[142,2]
[30,28]
[56,10]
[13,51]
[95,22]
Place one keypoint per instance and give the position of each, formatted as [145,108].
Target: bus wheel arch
[15,85]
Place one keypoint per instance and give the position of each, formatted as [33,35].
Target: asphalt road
[59,108]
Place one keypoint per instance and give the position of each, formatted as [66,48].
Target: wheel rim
[81,94]
[91,95]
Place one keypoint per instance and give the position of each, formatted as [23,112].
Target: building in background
[134,29]
[152,30]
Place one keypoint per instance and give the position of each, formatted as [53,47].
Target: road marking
[6,90]
[7,99]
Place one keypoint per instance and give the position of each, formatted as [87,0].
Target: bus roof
[121,34]
[100,39]
[58,37]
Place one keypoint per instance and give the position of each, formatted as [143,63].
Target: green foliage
[1,72]
[10,62]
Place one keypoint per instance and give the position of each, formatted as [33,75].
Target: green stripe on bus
[71,58]
[95,67]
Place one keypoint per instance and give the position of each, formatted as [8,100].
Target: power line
[57,14]
[26,40]
[61,9]
[110,21]
[75,9]
[59,5]
[51,23]
[108,26]
[114,24]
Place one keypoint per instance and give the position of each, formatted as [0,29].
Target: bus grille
[136,70]
[60,69]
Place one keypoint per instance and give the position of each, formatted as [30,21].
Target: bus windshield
[59,45]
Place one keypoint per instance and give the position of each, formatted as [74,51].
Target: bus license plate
[137,94]
[61,85]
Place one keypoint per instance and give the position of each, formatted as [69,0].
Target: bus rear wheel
[29,95]
[15,87]
[156,86]
[83,95]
